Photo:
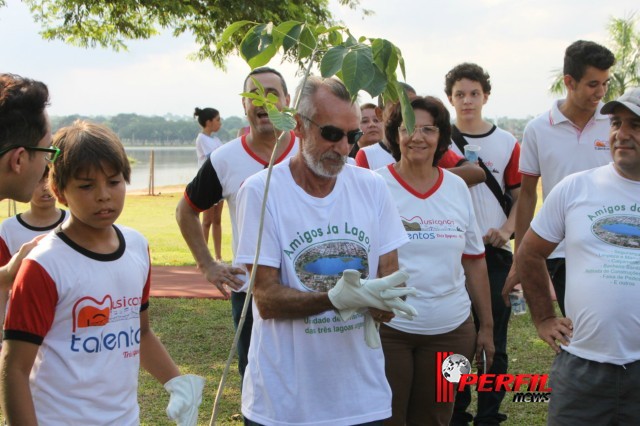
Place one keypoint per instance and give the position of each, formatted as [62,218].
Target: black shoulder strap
[491,181]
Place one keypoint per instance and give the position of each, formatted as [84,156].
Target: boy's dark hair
[22,111]
[265,70]
[205,115]
[581,54]
[407,88]
[469,71]
[84,146]
[438,111]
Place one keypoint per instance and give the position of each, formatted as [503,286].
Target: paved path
[181,281]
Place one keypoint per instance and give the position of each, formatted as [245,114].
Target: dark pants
[558,273]
[592,393]
[237,301]
[498,264]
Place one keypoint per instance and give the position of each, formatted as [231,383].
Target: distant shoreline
[169,189]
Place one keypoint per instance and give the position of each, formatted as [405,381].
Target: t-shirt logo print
[319,266]
[89,312]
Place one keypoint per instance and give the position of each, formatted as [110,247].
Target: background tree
[625,45]
[112,23]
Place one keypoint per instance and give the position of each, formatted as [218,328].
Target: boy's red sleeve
[33,304]
[449,159]
[5,256]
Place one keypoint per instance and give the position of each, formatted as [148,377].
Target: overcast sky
[519,42]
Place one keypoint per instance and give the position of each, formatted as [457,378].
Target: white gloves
[186,396]
[371,331]
[351,294]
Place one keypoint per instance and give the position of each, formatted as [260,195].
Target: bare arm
[216,273]
[477,280]
[153,355]
[499,237]
[525,209]
[275,301]
[532,268]
[471,173]
[8,272]
[17,402]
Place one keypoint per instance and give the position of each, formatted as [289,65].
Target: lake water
[173,166]
[623,228]
[333,265]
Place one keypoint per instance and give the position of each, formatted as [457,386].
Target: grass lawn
[198,333]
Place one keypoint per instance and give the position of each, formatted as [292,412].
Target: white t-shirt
[597,213]
[442,228]
[221,177]
[205,145]
[83,310]
[500,152]
[316,370]
[552,148]
[14,232]
[374,156]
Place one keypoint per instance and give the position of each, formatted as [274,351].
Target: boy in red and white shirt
[77,328]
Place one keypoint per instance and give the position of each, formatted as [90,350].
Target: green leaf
[332,61]
[292,38]
[250,44]
[335,38]
[281,120]
[307,43]
[257,47]
[230,30]
[378,83]
[401,62]
[357,69]
[384,56]
[282,34]
[263,57]
[408,116]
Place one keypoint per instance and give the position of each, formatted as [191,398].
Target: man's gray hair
[309,88]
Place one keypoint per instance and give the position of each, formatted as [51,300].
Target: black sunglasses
[53,151]
[334,134]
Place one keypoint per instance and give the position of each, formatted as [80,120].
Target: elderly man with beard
[315,357]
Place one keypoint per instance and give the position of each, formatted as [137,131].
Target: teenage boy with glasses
[24,133]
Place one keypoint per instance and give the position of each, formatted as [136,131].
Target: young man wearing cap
[569,138]
[594,378]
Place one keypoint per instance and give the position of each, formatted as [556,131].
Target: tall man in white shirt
[220,178]
[569,138]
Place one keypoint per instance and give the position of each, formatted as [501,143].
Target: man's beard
[318,168]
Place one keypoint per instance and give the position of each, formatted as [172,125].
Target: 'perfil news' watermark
[455,371]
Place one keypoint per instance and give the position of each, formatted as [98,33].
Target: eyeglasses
[53,151]
[334,134]
[424,130]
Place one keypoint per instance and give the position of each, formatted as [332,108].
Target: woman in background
[209,120]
